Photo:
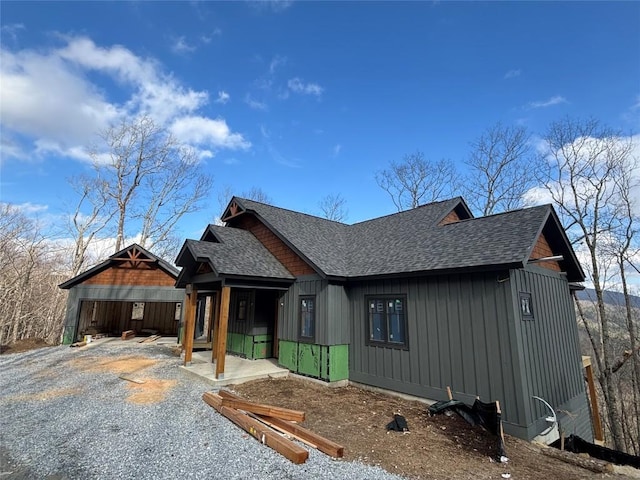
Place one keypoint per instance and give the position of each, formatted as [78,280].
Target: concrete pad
[236,370]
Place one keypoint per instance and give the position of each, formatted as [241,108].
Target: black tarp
[576,444]
[484,414]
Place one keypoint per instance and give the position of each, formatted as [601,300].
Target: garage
[131,290]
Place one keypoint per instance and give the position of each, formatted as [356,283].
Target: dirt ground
[437,447]
[23,345]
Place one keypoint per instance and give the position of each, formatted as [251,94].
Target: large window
[387,321]
[308,318]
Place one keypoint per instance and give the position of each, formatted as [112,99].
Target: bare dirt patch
[151,391]
[45,395]
[23,345]
[437,447]
[129,364]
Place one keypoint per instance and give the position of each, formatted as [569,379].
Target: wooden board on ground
[233,401]
[150,339]
[304,435]
[131,379]
[261,432]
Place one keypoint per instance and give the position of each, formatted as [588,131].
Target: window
[308,318]
[387,321]
[526,308]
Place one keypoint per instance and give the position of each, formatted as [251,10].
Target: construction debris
[131,379]
[78,344]
[150,339]
[127,334]
[267,424]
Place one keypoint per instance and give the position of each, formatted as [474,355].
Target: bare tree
[334,207]
[498,170]
[31,305]
[584,161]
[257,194]
[173,192]
[85,227]
[417,180]
[149,176]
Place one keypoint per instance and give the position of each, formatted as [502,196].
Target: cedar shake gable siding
[142,275]
[285,255]
[542,249]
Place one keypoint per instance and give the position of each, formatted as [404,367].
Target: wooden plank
[233,401]
[598,432]
[261,432]
[127,334]
[307,436]
[223,324]
[131,379]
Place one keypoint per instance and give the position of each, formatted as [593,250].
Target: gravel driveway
[65,413]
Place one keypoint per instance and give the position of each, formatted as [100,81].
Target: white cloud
[512,74]
[254,104]
[223,97]
[275,6]
[298,86]
[12,30]
[39,88]
[205,131]
[276,62]
[555,100]
[336,150]
[181,46]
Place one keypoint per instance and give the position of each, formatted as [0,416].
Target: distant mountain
[610,298]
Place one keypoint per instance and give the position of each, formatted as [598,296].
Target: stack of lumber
[127,334]
[272,425]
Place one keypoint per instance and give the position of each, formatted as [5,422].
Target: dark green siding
[465,332]
[550,349]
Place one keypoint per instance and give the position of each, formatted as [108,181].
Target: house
[131,290]
[412,302]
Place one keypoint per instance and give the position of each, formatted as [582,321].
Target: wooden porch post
[216,327]
[598,434]
[191,298]
[221,341]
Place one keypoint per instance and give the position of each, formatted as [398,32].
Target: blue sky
[301,99]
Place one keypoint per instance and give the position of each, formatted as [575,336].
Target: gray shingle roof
[238,253]
[407,242]
[414,242]
[323,242]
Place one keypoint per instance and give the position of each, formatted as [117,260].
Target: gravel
[60,420]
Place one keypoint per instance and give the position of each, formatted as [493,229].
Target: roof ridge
[294,211]
[408,210]
[516,210]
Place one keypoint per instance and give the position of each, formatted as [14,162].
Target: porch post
[216,327]
[221,341]
[191,297]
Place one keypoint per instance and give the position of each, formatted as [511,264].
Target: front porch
[237,370]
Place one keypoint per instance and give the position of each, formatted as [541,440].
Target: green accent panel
[288,355]
[69,335]
[247,348]
[235,343]
[338,362]
[309,359]
[262,350]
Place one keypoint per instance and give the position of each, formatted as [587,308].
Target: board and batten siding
[550,351]
[332,310]
[460,334]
